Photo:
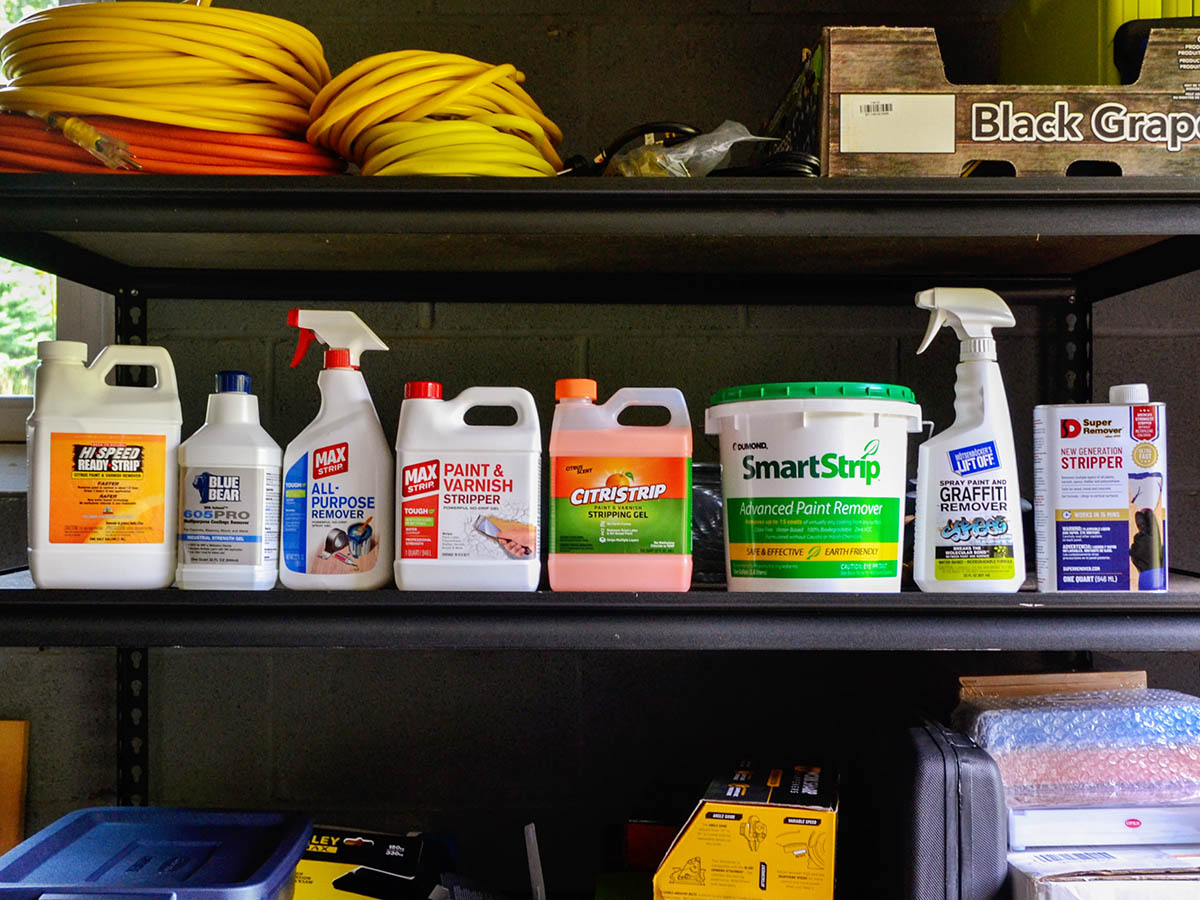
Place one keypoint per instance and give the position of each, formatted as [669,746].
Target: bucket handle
[514,398]
[669,398]
[156,358]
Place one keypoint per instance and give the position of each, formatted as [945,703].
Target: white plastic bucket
[813,476]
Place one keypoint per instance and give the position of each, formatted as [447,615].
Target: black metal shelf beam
[812,240]
[703,621]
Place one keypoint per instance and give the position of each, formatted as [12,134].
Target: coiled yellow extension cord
[196,66]
[417,112]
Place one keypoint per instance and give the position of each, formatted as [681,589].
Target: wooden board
[14,762]
[887,109]
[1054,683]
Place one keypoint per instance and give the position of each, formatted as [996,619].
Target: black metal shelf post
[133,727]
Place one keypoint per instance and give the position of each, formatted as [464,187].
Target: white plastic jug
[229,495]
[467,516]
[620,495]
[102,476]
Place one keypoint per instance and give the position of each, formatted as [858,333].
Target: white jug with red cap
[467,511]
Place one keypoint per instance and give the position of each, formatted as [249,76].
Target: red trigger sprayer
[338,473]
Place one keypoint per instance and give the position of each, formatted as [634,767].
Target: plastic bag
[693,158]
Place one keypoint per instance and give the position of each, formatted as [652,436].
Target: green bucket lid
[834,390]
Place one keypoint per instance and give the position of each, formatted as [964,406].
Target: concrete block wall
[698,348]
[598,69]
[1153,335]
[69,698]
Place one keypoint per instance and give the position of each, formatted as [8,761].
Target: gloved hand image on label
[1147,549]
[516,539]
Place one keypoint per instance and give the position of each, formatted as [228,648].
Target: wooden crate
[887,109]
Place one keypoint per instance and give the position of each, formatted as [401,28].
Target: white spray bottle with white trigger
[968,535]
[337,472]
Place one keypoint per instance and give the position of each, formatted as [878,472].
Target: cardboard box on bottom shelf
[1109,873]
[764,833]
[342,863]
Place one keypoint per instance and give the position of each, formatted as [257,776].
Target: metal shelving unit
[1058,243]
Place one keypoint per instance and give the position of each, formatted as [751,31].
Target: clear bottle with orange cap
[620,495]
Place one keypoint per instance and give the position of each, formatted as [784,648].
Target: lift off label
[975,539]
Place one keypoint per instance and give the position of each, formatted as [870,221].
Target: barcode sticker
[896,123]
[875,108]
[1079,856]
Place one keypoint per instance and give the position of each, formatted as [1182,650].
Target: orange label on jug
[584,480]
[620,504]
[107,488]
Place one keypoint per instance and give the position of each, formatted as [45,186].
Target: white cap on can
[1129,393]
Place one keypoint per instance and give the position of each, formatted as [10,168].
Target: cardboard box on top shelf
[886,109]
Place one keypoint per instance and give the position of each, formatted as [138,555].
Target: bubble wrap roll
[1088,749]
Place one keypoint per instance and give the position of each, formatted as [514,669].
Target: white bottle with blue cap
[229,497]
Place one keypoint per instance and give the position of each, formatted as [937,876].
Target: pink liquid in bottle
[620,495]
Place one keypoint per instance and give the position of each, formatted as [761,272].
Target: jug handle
[156,358]
[669,398]
[515,398]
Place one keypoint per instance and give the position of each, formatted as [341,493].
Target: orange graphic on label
[107,488]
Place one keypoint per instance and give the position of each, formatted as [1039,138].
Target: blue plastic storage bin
[137,853]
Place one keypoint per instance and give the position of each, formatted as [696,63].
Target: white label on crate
[897,123]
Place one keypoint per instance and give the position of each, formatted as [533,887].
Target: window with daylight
[35,306]
[27,313]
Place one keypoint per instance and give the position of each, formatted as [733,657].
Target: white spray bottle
[968,534]
[337,473]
